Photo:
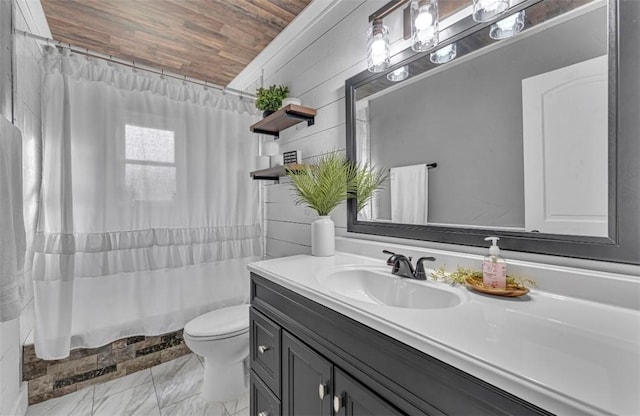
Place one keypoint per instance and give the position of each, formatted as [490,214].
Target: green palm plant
[366,181]
[332,180]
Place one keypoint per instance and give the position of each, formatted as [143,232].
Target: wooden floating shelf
[284,118]
[274,173]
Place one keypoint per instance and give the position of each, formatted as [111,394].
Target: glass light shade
[486,10]
[507,27]
[424,24]
[378,47]
[399,74]
[444,55]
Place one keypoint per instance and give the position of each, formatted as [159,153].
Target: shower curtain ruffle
[65,256]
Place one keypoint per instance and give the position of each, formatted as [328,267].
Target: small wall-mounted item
[291,157]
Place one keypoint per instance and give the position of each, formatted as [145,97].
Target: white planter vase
[323,237]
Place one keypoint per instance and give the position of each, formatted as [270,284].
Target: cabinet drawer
[263,402]
[265,350]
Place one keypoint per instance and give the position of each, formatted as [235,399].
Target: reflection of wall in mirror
[468,119]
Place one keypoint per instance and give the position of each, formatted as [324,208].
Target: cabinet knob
[337,403]
[265,413]
[322,390]
[263,348]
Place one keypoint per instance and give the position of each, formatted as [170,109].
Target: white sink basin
[379,286]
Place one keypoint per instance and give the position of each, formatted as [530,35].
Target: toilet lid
[224,322]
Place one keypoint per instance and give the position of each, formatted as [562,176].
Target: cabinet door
[263,402]
[354,399]
[306,376]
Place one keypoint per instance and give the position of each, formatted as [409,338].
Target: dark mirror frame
[623,243]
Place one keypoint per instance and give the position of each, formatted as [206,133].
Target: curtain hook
[205,85]
[185,80]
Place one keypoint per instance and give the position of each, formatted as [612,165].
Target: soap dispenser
[494,266]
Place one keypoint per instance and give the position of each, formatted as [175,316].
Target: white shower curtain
[147,212]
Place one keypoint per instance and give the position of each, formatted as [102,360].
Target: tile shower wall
[88,366]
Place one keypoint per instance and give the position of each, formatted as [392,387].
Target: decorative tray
[475,283]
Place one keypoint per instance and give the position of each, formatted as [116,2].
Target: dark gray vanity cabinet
[309,360]
[353,399]
[306,379]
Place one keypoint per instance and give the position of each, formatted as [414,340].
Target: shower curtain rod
[132,64]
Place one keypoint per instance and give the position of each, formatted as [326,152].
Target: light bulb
[491,5]
[444,55]
[424,19]
[377,50]
[486,10]
[399,74]
[507,27]
[424,25]
[378,47]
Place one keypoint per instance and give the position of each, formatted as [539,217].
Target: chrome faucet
[401,266]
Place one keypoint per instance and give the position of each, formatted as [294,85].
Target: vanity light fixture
[378,46]
[444,54]
[486,10]
[507,27]
[399,74]
[424,24]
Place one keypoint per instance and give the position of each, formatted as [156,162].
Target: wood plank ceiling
[210,40]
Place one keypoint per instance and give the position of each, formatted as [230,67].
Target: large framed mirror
[532,137]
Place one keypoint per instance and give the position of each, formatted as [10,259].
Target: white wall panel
[333,138]
[29,17]
[315,69]
[279,248]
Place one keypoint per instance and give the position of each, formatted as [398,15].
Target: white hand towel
[12,234]
[409,194]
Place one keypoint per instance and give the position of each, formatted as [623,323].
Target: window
[150,163]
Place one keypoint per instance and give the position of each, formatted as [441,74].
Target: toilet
[222,338]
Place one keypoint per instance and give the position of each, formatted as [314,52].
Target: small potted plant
[325,184]
[270,99]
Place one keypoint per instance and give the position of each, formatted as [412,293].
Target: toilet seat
[219,324]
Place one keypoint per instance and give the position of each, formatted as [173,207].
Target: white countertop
[563,354]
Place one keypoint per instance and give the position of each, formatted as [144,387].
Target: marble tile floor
[168,389]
